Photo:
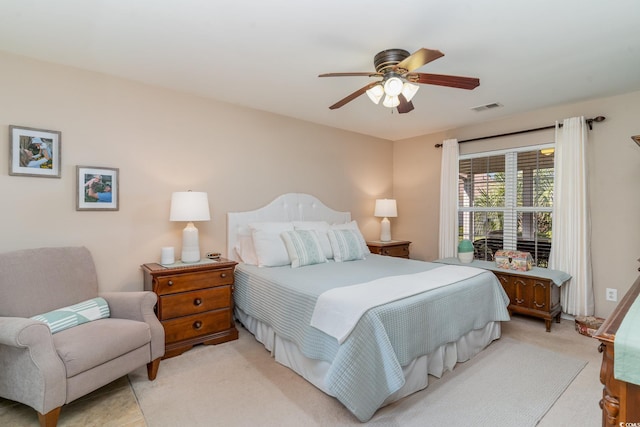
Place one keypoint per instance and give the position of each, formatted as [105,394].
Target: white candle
[168,256]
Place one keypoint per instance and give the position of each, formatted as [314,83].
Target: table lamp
[385,208]
[190,206]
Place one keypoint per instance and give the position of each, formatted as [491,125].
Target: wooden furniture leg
[152,369]
[50,419]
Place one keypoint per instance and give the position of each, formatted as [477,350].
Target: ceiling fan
[398,84]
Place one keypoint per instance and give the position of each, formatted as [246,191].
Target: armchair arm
[16,331]
[138,306]
[33,373]
[131,305]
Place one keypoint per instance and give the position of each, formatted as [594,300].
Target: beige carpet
[511,383]
[269,394]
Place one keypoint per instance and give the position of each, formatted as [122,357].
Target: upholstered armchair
[46,370]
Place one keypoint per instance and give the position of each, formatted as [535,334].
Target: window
[505,201]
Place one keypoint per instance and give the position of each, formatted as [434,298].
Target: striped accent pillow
[346,245]
[303,247]
[74,315]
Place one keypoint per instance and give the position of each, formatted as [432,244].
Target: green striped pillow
[346,245]
[303,247]
[74,315]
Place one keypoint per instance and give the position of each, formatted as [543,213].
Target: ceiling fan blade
[445,80]
[404,106]
[364,73]
[353,96]
[417,59]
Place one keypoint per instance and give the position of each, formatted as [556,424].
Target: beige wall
[163,141]
[614,175]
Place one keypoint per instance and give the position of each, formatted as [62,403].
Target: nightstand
[397,248]
[195,302]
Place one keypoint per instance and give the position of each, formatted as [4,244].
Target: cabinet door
[508,286]
[523,289]
[541,295]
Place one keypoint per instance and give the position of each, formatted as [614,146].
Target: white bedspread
[338,310]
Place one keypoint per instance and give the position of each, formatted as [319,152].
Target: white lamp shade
[376,93]
[391,101]
[386,208]
[393,86]
[409,90]
[189,206]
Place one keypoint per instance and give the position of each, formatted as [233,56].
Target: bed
[400,333]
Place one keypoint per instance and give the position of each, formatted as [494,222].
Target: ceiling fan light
[409,90]
[391,101]
[393,86]
[376,93]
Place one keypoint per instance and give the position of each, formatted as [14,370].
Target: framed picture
[34,152]
[636,139]
[97,189]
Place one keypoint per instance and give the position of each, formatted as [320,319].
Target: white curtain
[448,242]
[571,238]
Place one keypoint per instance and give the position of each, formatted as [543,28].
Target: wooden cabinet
[195,303]
[396,248]
[620,402]
[532,296]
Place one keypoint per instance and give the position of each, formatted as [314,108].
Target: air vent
[487,106]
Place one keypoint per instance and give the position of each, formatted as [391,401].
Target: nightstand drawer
[189,282]
[397,251]
[185,303]
[193,326]
[395,248]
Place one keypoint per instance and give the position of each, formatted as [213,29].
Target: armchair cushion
[74,315]
[94,343]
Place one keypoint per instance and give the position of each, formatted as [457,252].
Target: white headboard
[287,207]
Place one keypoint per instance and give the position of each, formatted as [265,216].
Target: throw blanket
[338,310]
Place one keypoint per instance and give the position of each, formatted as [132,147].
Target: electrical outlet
[612,294]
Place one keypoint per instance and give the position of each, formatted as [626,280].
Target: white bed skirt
[443,359]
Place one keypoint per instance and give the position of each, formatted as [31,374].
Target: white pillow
[346,245]
[320,227]
[303,247]
[353,225]
[269,246]
[245,249]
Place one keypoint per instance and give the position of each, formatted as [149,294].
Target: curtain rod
[589,123]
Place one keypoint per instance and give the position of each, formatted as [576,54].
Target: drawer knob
[519,301]
[223,275]
[197,324]
[197,301]
[170,283]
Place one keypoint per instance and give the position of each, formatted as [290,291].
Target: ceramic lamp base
[385,230]
[465,257]
[190,244]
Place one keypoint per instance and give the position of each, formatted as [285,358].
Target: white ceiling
[267,54]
